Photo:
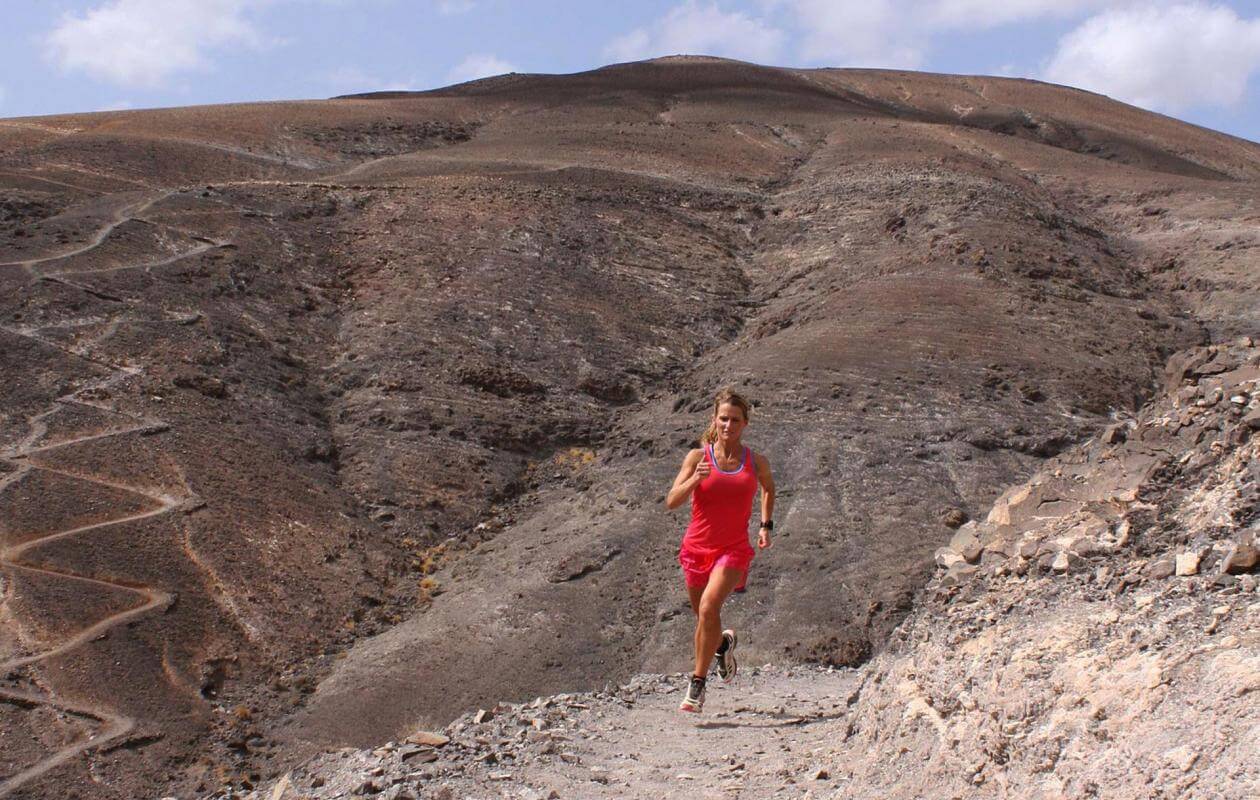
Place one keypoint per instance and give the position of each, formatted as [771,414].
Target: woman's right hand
[694,469]
[701,471]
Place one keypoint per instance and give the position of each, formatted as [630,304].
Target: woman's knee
[710,610]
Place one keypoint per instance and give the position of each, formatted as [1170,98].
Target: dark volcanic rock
[283,377]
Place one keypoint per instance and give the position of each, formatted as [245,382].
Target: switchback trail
[124,213]
[115,725]
[24,460]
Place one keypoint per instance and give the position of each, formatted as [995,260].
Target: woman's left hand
[763,539]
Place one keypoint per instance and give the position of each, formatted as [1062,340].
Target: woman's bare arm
[695,468]
[767,497]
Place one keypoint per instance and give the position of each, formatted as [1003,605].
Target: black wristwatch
[768,524]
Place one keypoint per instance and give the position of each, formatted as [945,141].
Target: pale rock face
[1154,689]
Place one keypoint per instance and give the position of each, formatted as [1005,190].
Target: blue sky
[1198,60]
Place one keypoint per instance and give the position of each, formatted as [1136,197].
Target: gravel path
[774,732]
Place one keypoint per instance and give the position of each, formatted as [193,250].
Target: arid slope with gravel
[329,420]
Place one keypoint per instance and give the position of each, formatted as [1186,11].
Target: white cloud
[700,28]
[449,8]
[144,42]
[860,33]
[900,33]
[984,14]
[1168,58]
[479,65]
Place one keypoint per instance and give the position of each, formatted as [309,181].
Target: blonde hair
[727,395]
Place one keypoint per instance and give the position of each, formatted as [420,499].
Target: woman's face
[730,422]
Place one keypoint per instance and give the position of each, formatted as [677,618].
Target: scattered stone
[1122,533]
[967,544]
[1187,564]
[946,558]
[958,573]
[1064,561]
[1241,557]
[1085,547]
[418,754]
[822,774]
[427,738]
[953,517]
[1115,434]
[1161,568]
[1182,758]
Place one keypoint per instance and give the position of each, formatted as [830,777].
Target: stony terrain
[333,420]
[1096,635]
[771,735]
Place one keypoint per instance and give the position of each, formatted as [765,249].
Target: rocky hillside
[1096,635]
[330,420]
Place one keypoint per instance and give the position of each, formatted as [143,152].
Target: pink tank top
[721,505]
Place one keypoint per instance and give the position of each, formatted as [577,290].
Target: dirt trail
[767,734]
[112,725]
[115,726]
[196,251]
[773,732]
[124,213]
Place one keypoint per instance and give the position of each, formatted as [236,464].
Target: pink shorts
[697,569]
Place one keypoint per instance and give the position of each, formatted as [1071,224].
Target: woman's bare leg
[694,594]
[708,608]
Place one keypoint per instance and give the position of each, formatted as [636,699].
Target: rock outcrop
[1098,634]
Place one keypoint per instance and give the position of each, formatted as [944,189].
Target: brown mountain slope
[1096,635]
[288,374]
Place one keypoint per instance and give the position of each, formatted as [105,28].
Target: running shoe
[726,656]
[694,701]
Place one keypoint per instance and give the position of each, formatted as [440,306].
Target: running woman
[721,477]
